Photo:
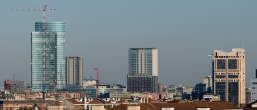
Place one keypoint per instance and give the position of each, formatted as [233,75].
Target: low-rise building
[30,104]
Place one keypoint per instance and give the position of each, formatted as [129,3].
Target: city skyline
[182,43]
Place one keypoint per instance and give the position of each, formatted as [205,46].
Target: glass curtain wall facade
[47,56]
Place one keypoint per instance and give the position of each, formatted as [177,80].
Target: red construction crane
[44,11]
[97,82]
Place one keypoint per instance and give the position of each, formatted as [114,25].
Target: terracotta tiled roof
[74,101]
[181,106]
[97,101]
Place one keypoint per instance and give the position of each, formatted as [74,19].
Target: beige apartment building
[74,70]
[229,75]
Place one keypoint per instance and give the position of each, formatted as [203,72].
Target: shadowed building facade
[229,75]
[47,56]
[143,70]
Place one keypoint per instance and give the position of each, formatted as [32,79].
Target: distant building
[74,70]
[31,105]
[143,70]
[247,95]
[229,75]
[7,84]
[14,86]
[208,82]
[199,91]
[209,97]
[87,83]
[47,56]
[254,88]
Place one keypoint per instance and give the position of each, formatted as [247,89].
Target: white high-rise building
[229,75]
[143,70]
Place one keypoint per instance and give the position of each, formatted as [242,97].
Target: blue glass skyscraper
[47,56]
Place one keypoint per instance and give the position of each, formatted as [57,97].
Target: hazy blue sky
[184,31]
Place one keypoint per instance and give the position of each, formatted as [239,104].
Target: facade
[208,82]
[14,86]
[143,70]
[47,56]
[74,70]
[30,105]
[229,75]
[198,91]
[254,88]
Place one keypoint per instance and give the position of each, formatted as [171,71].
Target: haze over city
[185,33]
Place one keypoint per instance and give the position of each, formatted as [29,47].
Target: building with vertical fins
[229,75]
[47,56]
[143,70]
[74,70]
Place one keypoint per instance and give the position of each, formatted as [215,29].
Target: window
[220,76]
[232,64]
[221,64]
[232,76]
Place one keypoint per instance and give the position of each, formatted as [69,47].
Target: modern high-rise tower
[47,56]
[229,75]
[74,70]
[143,70]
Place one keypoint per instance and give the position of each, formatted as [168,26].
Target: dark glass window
[221,64]
[232,64]
[220,76]
[232,76]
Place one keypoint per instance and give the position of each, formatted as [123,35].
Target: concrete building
[143,70]
[47,56]
[229,75]
[208,82]
[254,88]
[31,105]
[248,95]
[14,86]
[74,70]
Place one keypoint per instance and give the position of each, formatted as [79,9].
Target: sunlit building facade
[47,56]
[229,75]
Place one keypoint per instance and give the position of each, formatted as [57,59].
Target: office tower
[47,56]
[254,88]
[229,75]
[74,70]
[143,70]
